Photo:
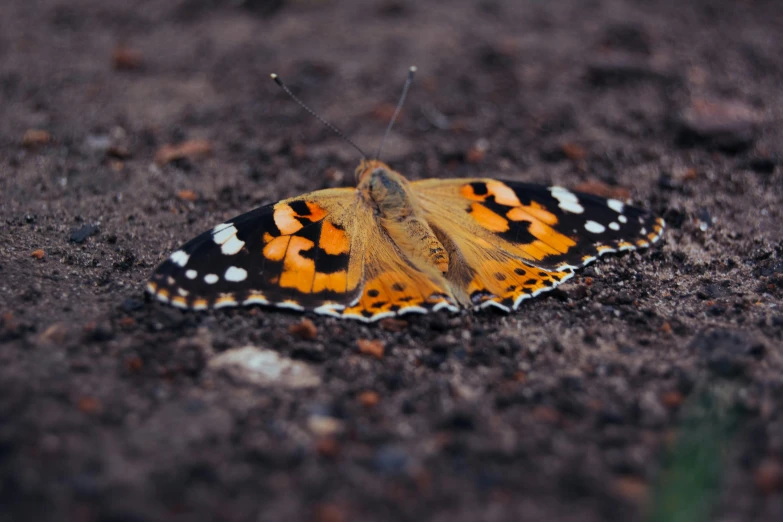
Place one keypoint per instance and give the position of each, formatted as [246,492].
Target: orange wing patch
[505,283]
[288,216]
[333,240]
[298,271]
[528,229]
[314,259]
[399,292]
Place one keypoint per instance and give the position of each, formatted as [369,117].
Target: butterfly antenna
[397,110]
[328,125]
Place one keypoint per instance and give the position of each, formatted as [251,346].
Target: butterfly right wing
[303,253]
[509,241]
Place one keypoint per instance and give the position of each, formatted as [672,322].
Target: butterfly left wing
[304,253]
[511,240]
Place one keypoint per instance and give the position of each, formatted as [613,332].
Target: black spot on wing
[300,208]
[518,231]
[479,188]
[324,263]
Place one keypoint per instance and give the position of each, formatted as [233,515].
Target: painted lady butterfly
[391,246]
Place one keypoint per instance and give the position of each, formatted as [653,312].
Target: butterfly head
[386,188]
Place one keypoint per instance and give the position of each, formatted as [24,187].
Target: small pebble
[304,329]
[80,235]
[374,347]
[36,137]
[191,149]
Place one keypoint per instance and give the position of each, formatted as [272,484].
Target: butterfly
[391,246]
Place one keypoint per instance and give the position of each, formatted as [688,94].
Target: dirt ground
[648,388]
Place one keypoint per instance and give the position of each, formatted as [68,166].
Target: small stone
[769,477]
[574,152]
[384,111]
[98,143]
[329,513]
[263,367]
[98,332]
[127,322]
[729,126]
[36,137]
[55,334]
[546,414]
[304,329]
[476,153]
[633,489]
[38,254]
[327,447]
[89,405]
[134,364]
[373,347]
[672,399]
[191,149]
[368,399]
[392,324]
[599,188]
[392,460]
[187,195]
[324,425]
[123,58]
[80,235]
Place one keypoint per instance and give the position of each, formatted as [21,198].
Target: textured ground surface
[589,404]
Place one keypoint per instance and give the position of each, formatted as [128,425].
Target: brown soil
[129,127]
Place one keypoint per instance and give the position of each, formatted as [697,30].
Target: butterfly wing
[513,240]
[304,253]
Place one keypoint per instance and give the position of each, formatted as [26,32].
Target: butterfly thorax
[398,211]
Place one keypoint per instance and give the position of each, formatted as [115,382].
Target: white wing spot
[211,279]
[567,200]
[622,219]
[616,205]
[232,246]
[224,232]
[643,231]
[179,258]
[614,226]
[235,274]
[595,228]
[191,274]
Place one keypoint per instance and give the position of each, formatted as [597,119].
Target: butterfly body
[391,246]
[400,215]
